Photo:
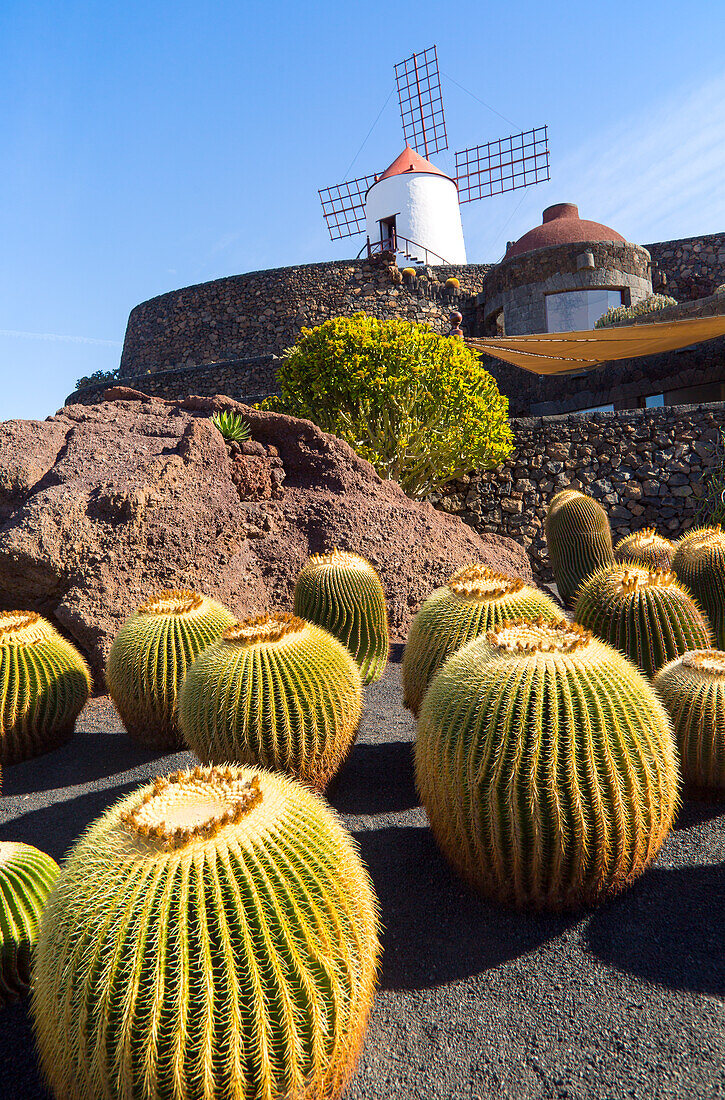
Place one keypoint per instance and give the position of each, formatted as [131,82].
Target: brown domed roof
[561,224]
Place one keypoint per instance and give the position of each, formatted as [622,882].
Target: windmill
[413,208]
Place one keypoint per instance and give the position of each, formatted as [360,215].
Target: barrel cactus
[546,765]
[26,878]
[643,612]
[151,655]
[578,539]
[274,691]
[646,547]
[44,684]
[475,600]
[342,592]
[699,562]
[212,935]
[692,688]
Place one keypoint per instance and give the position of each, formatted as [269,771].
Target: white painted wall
[427,210]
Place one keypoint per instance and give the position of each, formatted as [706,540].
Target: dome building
[563,275]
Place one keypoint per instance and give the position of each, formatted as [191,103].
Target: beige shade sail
[564,352]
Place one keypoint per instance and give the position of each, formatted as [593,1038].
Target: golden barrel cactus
[692,687]
[151,655]
[578,539]
[212,935]
[643,612]
[699,563]
[546,765]
[275,691]
[26,878]
[44,684]
[475,600]
[342,593]
[647,548]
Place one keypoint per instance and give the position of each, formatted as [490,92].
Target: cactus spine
[342,593]
[211,935]
[475,600]
[644,613]
[26,878]
[578,540]
[44,684]
[699,563]
[151,655]
[646,548]
[275,691]
[692,688]
[546,765]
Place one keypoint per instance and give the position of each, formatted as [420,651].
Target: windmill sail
[519,160]
[343,207]
[421,102]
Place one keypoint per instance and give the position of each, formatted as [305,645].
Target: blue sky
[148,146]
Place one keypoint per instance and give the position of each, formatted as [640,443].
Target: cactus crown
[171,601]
[633,578]
[264,629]
[22,628]
[710,662]
[476,582]
[699,539]
[344,558]
[539,636]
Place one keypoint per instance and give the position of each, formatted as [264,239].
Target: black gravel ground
[475,1001]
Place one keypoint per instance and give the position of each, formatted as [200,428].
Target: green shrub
[652,304]
[419,406]
[231,425]
[96,377]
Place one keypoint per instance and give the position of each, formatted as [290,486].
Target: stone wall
[645,466]
[692,267]
[262,313]
[247,380]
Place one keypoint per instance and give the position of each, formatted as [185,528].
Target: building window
[654,401]
[596,409]
[574,310]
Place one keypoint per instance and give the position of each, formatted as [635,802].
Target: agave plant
[232,426]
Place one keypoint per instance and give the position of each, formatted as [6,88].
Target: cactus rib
[578,539]
[692,687]
[645,547]
[26,879]
[699,563]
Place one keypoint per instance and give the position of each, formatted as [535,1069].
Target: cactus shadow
[377,777]
[696,812]
[669,929]
[435,929]
[19,1070]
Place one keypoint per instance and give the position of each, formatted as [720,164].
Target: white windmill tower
[413,208]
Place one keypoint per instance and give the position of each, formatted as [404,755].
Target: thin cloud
[62,339]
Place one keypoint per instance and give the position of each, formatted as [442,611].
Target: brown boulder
[102,504]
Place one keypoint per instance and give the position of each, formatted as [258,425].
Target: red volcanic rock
[101,505]
[561,224]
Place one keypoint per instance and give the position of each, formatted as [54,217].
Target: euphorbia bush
[419,406]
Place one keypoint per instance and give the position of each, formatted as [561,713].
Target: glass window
[597,409]
[655,401]
[574,310]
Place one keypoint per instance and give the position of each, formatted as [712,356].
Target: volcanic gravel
[475,1001]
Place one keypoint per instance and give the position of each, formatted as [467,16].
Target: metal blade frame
[421,102]
[520,160]
[343,207]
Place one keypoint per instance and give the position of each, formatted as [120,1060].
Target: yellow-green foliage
[699,563]
[642,612]
[578,540]
[342,592]
[44,684]
[646,547]
[417,405]
[475,600]
[213,935]
[546,765]
[275,691]
[452,283]
[151,655]
[26,879]
[692,688]
[653,304]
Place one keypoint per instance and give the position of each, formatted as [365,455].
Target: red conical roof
[561,225]
[410,161]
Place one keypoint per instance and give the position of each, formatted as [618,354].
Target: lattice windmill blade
[421,102]
[520,160]
[343,207]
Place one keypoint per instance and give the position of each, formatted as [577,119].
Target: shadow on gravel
[84,759]
[376,779]
[693,812]
[669,928]
[18,1064]
[436,930]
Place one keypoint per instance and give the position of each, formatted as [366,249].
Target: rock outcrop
[101,505]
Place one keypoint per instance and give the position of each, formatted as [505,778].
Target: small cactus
[342,592]
[578,539]
[410,272]
[546,765]
[44,684]
[647,548]
[231,425]
[453,283]
[212,935]
[475,600]
[274,691]
[150,656]
[692,687]
[699,563]
[26,878]
[642,612]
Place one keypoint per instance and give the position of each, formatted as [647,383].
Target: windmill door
[387,234]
